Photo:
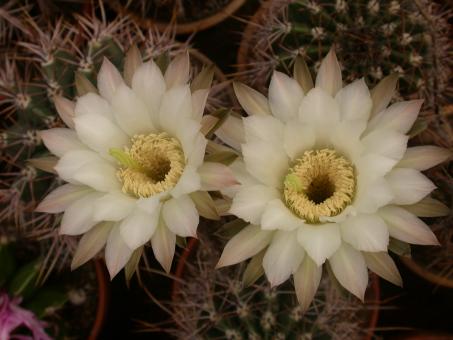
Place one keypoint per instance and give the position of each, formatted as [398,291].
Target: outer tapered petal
[65,109]
[78,217]
[285,96]
[350,269]
[306,281]
[61,198]
[329,74]
[91,243]
[149,84]
[109,79]
[366,232]
[383,92]
[277,216]
[117,253]
[181,216]
[250,201]
[248,242]
[408,185]
[199,99]
[92,104]
[407,227]
[354,101]
[205,205]
[163,243]
[138,228]
[265,128]
[283,257]
[428,207]
[178,71]
[70,163]
[387,143]
[253,102]
[231,132]
[382,264]
[59,141]
[320,241]
[113,207]
[216,176]
[424,157]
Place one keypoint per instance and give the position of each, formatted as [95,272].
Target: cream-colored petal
[196,157]
[250,201]
[91,243]
[264,128]
[181,216]
[189,181]
[329,74]
[187,131]
[319,108]
[354,101]
[428,207]
[205,205]
[320,241]
[113,207]
[408,185]
[383,92]
[176,104]
[98,175]
[285,96]
[382,264]
[163,243]
[130,112]
[424,157]
[178,71]
[253,102]
[366,232]
[407,227]
[216,176]
[61,198]
[306,282]
[78,217]
[248,242]
[232,132]
[283,257]
[70,163]
[138,228]
[277,216]
[350,269]
[109,79]
[387,143]
[92,104]
[199,99]
[298,138]
[60,141]
[371,195]
[266,162]
[65,109]
[117,253]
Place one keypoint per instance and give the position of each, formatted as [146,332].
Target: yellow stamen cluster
[154,164]
[321,183]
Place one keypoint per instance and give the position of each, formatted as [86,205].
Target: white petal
[78,217]
[90,244]
[383,92]
[408,185]
[319,108]
[65,109]
[306,281]
[283,257]
[350,269]
[130,112]
[199,99]
[60,141]
[178,71]
[189,181]
[138,228]
[205,205]
[354,101]
[285,96]
[62,197]
[428,207]
[231,132]
[265,128]
[216,176]
[187,131]
[176,105]
[113,207]
[407,227]
[266,162]
[366,232]
[253,102]
[424,157]
[329,74]
[277,216]
[248,242]
[371,195]
[373,166]
[98,175]
[108,80]
[68,165]
[117,253]
[92,104]
[163,243]
[181,216]
[250,201]
[196,157]
[149,84]
[320,241]
[382,264]
[99,133]
[399,117]
[387,143]
[298,138]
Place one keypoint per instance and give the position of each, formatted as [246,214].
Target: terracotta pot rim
[432,277]
[190,27]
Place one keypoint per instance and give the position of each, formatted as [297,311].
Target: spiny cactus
[373,38]
[214,304]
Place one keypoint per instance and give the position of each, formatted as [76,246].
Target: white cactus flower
[327,177]
[133,158]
